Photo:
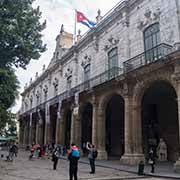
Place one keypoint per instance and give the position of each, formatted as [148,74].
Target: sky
[56,13]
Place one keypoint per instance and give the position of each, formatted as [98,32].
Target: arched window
[87,72]
[87,76]
[151,41]
[69,82]
[112,62]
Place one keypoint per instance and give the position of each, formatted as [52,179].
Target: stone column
[177,164]
[61,128]
[47,124]
[99,130]
[24,132]
[58,130]
[37,132]
[20,132]
[30,129]
[94,123]
[25,141]
[75,127]
[128,154]
[137,132]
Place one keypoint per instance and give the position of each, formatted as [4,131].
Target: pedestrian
[73,158]
[92,156]
[16,149]
[39,151]
[151,160]
[12,150]
[55,157]
[32,151]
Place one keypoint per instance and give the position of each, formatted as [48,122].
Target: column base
[177,166]
[132,159]
[102,155]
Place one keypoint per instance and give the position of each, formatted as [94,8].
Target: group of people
[73,157]
[39,151]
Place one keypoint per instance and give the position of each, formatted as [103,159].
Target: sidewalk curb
[129,171]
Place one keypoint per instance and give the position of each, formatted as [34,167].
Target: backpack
[75,153]
[94,154]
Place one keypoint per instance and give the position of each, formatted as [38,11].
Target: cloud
[57,12]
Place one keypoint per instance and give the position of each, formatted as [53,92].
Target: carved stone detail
[45,90]
[112,42]
[55,83]
[149,18]
[86,61]
[68,72]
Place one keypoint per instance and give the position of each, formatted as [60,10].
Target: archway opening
[160,119]
[86,127]
[53,118]
[115,127]
[34,128]
[67,137]
[43,125]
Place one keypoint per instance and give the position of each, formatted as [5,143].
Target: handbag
[150,161]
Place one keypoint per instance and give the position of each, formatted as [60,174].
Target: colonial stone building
[117,87]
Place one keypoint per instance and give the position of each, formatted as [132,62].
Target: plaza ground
[41,169]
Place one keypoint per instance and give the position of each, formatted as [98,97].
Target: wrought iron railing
[99,79]
[147,57]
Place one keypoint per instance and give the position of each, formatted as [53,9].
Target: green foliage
[8,87]
[4,117]
[20,33]
[8,92]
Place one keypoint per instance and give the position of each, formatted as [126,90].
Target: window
[151,40]
[69,82]
[112,62]
[86,75]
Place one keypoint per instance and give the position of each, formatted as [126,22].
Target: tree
[8,92]
[20,33]
[20,41]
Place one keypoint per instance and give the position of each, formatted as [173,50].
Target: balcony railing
[99,79]
[147,57]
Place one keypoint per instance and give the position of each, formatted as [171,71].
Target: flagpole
[75,27]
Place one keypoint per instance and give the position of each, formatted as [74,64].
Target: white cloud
[57,12]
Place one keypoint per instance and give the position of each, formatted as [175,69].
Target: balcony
[99,79]
[147,57]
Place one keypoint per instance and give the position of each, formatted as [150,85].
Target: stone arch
[150,113]
[103,100]
[143,85]
[67,126]
[86,119]
[112,118]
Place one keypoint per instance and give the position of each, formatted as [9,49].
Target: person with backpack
[73,158]
[92,156]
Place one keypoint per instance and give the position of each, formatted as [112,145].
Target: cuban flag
[81,18]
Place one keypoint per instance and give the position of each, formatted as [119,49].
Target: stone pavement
[41,169]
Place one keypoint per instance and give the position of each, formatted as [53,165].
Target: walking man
[73,158]
[92,156]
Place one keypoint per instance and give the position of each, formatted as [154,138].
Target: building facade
[117,87]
